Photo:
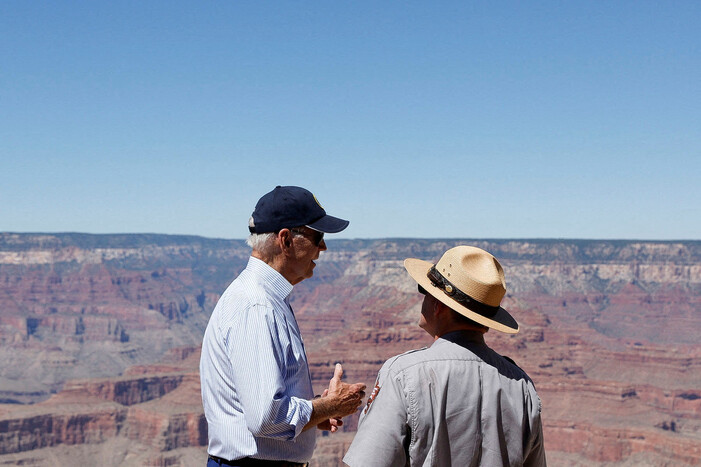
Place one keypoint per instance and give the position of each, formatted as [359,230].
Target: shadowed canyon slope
[100,337]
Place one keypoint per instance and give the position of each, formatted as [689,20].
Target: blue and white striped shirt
[256,387]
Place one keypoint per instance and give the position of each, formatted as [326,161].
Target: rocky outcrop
[49,429]
[151,415]
[77,306]
[601,445]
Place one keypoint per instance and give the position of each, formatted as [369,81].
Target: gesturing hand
[339,400]
[330,424]
[347,397]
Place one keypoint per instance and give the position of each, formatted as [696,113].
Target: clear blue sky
[410,119]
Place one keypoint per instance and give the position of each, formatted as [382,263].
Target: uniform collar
[463,337]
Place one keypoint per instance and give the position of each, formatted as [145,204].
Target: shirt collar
[269,276]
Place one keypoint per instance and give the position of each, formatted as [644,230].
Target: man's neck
[477,330]
[276,262]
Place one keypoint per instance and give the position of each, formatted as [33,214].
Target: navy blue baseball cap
[291,206]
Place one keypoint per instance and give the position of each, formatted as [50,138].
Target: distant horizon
[335,237]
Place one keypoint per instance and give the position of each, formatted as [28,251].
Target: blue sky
[410,119]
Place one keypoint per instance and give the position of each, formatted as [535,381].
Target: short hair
[260,242]
[263,243]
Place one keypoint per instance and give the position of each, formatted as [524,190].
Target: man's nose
[322,245]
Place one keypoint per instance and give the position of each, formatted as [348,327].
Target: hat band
[438,280]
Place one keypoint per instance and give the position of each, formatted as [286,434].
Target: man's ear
[284,239]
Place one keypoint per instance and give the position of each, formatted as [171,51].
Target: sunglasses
[314,236]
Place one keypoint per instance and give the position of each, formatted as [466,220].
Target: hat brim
[501,321]
[329,224]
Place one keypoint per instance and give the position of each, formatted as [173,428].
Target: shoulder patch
[373,395]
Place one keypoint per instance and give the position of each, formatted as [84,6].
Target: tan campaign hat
[468,280]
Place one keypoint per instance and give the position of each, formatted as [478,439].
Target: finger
[338,372]
[325,393]
[358,387]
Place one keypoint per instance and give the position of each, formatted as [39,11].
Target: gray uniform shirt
[457,403]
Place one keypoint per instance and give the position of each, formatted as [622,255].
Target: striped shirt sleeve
[259,362]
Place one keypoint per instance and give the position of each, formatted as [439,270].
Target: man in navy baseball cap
[292,206]
[256,389]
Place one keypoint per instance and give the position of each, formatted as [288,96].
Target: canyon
[100,341]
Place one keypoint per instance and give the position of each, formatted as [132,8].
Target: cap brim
[329,224]
[501,321]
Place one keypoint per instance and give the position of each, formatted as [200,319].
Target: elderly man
[256,386]
[456,403]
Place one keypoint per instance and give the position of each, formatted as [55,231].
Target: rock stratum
[100,341]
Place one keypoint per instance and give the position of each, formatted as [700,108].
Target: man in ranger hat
[256,386]
[456,403]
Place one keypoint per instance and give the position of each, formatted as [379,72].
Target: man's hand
[339,400]
[331,424]
[348,397]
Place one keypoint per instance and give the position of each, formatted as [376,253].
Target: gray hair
[263,243]
[260,242]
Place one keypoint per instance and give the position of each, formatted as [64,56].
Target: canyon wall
[100,337]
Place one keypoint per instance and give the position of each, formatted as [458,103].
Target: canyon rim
[100,341]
